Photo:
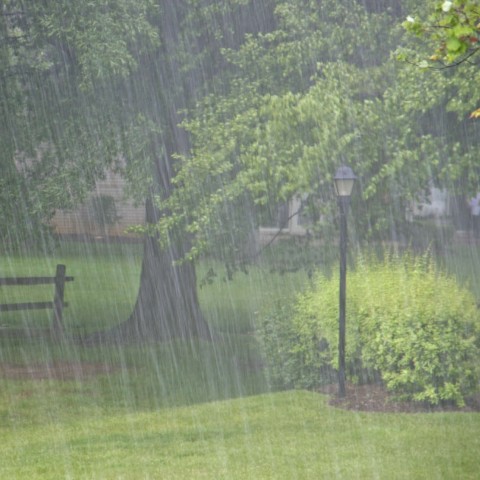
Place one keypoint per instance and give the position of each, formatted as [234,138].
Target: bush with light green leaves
[409,325]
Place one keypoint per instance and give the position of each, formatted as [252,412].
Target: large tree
[58,131]
[86,83]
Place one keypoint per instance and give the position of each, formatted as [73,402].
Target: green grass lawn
[197,409]
[284,435]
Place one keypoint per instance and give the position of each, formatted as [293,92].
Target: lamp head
[344,179]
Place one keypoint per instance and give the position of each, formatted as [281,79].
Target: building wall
[84,221]
[293,226]
[434,204]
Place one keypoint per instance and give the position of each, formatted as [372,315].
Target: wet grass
[198,410]
[283,436]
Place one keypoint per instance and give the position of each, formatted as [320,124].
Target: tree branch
[444,66]
[462,60]
[283,225]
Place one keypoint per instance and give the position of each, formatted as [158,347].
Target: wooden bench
[57,305]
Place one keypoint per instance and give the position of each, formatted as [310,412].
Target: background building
[106,213]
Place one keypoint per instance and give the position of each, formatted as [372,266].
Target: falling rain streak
[170,239]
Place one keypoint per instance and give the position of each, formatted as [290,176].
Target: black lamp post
[344,180]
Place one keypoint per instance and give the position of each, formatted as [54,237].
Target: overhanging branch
[444,66]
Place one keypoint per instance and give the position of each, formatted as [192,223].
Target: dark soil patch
[59,370]
[374,398]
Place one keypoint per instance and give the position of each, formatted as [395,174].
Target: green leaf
[453,44]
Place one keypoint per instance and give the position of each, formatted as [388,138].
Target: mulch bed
[374,398]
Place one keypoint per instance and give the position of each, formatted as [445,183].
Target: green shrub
[295,360]
[408,324]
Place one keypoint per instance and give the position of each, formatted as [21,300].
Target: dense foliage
[446,37]
[58,131]
[218,112]
[274,94]
[307,96]
[408,324]
[452,29]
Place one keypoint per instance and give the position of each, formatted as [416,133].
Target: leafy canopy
[450,35]
[319,90]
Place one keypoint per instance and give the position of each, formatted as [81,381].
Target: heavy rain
[239,239]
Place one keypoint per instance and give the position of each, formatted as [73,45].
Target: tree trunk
[167,304]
